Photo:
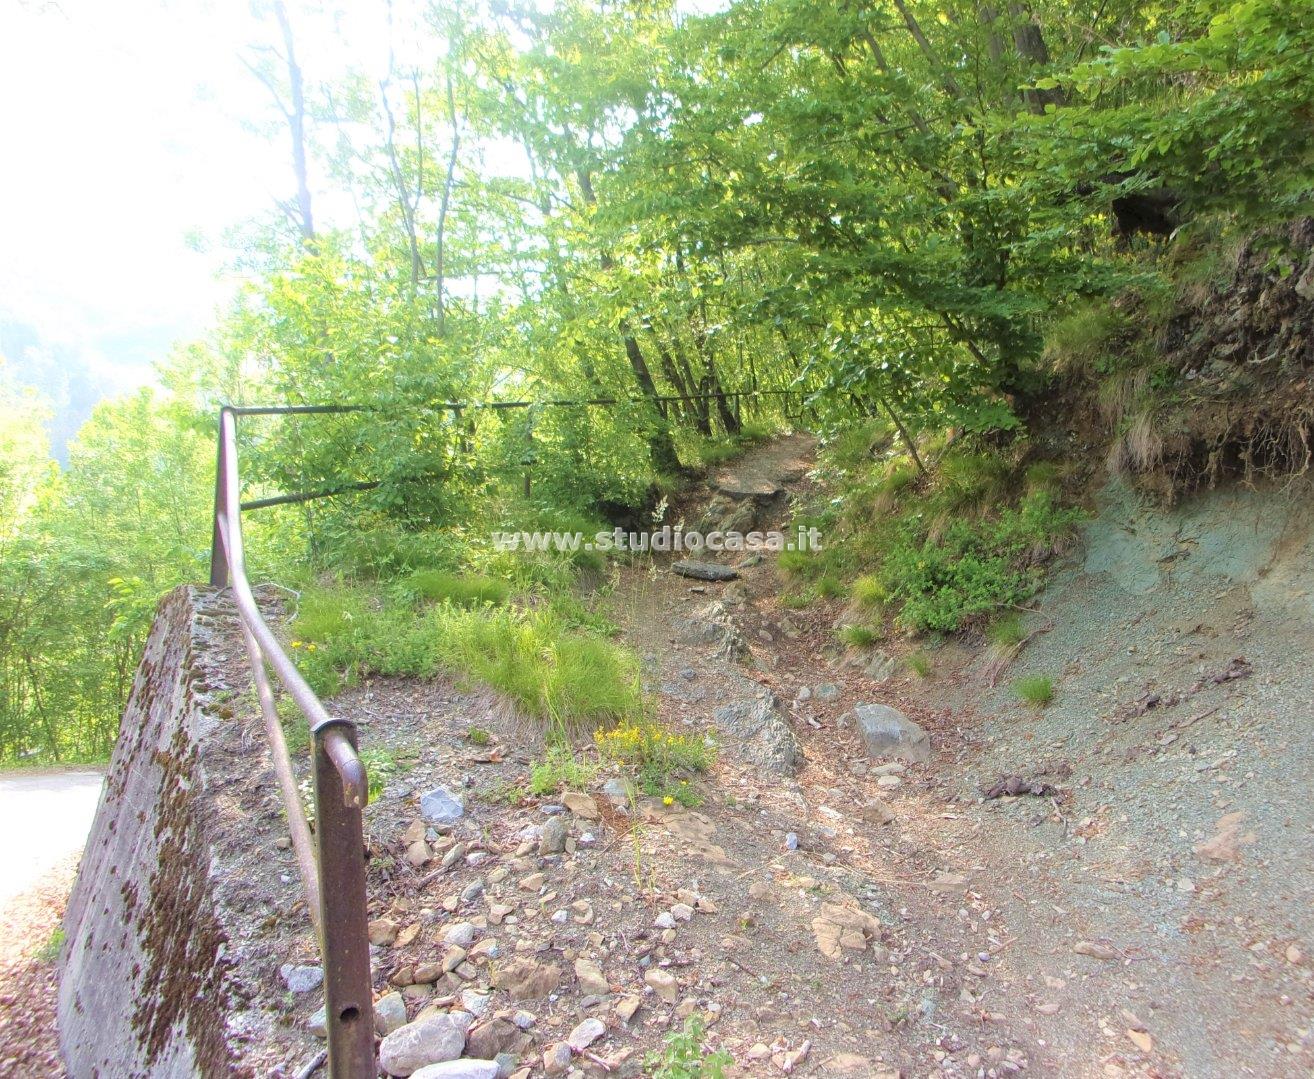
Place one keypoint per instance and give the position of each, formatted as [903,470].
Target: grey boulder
[887,732]
[442,806]
[704,571]
[426,1041]
[760,733]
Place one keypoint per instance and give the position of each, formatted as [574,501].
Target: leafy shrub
[1035,689]
[662,762]
[683,1055]
[974,567]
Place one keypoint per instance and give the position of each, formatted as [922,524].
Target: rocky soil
[887,875]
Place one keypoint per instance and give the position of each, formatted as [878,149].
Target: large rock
[713,627]
[704,571]
[887,732]
[742,484]
[426,1041]
[524,979]
[442,806]
[728,515]
[759,733]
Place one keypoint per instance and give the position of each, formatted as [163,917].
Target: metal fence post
[340,841]
[219,556]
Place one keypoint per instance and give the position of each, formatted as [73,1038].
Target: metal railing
[332,862]
[332,865]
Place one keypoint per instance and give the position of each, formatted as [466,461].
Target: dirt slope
[862,917]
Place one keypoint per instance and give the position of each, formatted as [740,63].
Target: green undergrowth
[706,453]
[685,1056]
[539,657]
[958,545]
[550,657]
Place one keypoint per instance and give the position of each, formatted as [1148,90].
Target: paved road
[44,817]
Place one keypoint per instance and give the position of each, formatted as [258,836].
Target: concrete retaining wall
[155,980]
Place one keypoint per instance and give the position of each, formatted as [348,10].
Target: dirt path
[1118,924]
[835,914]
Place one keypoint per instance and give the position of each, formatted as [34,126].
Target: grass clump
[684,1056]
[869,592]
[550,669]
[478,736]
[560,770]
[661,762]
[828,587]
[461,590]
[1036,689]
[49,951]
[1081,340]
[919,663]
[1006,632]
[858,636]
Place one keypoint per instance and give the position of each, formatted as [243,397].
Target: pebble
[461,935]
[791,841]
[663,983]
[552,839]
[586,1034]
[591,979]
[556,1058]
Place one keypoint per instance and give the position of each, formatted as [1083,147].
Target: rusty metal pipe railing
[332,867]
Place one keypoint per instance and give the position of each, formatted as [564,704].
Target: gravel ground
[29,1041]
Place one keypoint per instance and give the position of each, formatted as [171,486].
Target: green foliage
[684,1056]
[1035,689]
[478,736]
[919,663]
[857,636]
[1005,632]
[531,656]
[662,762]
[1079,341]
[907,220]
[463,591]
[973,567]
[560,770]
[380,766]
[49,952]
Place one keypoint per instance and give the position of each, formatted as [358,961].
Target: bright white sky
[131,129]
[127,129]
